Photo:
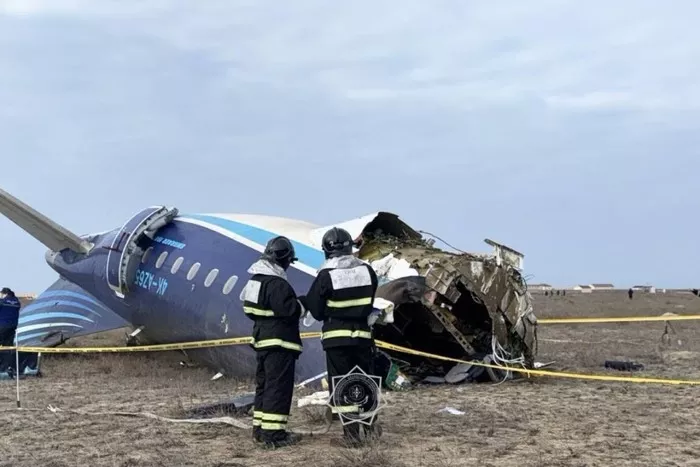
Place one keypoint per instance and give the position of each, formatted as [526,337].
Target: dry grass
[528,423]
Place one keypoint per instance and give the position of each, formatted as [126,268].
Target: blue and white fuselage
[185,287]
[178,278]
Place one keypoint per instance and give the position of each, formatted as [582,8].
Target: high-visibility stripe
[273,417]
[277,342]
[256,422]
[345,409]
[257,311]
[346,333]
[349,303]
[273,426]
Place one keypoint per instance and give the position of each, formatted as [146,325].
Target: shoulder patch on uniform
[251,291]
[347,278]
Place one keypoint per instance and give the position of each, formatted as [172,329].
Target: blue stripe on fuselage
[306,254]
[68,293]
[32,307]
[30,336]
[52,314]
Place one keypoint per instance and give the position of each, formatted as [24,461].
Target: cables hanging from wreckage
[500,357]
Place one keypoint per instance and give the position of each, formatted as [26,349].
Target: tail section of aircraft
[63,311]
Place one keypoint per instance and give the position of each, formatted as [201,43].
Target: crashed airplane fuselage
[177,278]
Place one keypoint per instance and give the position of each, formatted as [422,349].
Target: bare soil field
[539,421]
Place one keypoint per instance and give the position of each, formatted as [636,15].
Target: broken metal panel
[381,223]
[447,324]
[506,254]
[472,297]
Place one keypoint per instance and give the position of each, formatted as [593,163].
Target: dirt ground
[542,421]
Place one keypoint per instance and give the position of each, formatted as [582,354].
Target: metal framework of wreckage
[460,305]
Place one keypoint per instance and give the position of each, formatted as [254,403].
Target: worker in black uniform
[270,301]
[9,317]
[342,296]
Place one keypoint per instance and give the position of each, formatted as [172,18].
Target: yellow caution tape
[381,344]
[555,374]
[622,319]
[147,348]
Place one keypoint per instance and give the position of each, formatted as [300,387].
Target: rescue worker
[342,296]
[270,301]
[9,316]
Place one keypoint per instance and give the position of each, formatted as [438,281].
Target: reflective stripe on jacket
[270,301]
[342,296]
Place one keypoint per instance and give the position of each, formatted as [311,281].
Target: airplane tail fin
[52,235]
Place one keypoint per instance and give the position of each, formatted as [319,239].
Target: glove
[373,317]
[306,318]
[382,312]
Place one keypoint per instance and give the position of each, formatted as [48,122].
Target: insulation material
[390,268]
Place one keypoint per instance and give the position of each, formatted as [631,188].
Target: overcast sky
[565,129]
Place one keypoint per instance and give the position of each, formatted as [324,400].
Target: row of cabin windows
[194,269]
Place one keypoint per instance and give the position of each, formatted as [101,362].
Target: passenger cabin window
[176,265]
[193,271]
[210,277]
[161,259]
[230,284]
[146,254]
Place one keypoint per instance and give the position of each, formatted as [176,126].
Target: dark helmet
[280,250]
[337,242]
[6,291]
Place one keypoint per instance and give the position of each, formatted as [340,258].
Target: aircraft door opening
[129,245]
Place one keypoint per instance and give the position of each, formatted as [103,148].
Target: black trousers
[340,361]
[7,357]
[274,387]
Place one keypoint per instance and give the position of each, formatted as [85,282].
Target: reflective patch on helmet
[251,291]
[347,278]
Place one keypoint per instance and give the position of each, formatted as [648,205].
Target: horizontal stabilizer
[48,232]
[62,312]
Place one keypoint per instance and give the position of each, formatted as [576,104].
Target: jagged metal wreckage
[461,305]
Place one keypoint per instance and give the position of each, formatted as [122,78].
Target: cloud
[563,54]
[503,119]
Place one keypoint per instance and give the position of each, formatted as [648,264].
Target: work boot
[373,432]
[289,439]
[352,437]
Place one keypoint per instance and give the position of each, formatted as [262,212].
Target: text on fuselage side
[170,242]
[148,281]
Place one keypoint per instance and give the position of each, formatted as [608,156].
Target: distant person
[558,292]
[9,316]
[630,293]
[563,292]
[546,293]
